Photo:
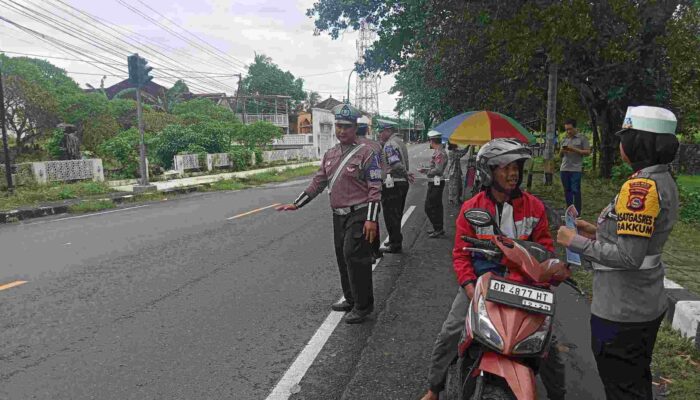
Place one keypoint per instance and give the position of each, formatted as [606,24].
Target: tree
[266,78]
[31,112]
[312,98]
[495,54]
[164,101]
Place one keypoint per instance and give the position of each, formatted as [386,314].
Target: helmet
[362,128]
[500,152]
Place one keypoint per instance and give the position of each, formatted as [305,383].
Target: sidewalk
[204,179]
[124,192]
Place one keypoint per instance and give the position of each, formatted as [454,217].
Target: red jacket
[530,222]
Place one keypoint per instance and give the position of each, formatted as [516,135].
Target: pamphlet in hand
[570,219]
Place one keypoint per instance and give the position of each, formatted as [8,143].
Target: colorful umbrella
[478,127]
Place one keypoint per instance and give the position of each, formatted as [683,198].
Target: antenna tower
[366,83]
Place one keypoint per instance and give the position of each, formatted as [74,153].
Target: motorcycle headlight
[533,344]
[485,328]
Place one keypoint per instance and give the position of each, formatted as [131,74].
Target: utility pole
[139,76]
[6,150]
[551,124]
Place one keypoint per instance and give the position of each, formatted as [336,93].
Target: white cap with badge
[649,119]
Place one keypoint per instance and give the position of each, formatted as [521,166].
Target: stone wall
[688,159]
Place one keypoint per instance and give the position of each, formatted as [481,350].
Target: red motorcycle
[509,323]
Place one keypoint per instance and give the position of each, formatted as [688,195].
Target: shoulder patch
[637,207]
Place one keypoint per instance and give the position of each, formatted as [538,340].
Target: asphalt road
[176,300]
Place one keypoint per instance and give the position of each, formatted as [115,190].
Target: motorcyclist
[519,215]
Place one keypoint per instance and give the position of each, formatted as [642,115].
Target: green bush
[124,149]
[621,172]
[258,156]
[53,144]
[200,138]
[240,157]
[690,205]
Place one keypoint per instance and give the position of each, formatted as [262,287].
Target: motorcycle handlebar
[483,244]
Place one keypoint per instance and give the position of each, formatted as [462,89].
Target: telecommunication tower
[366,83]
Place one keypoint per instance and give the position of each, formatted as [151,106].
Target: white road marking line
[12,284]
[88,215]
[301,364]
[253,211]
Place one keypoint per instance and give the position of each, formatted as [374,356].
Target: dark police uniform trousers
[393,203]
[433,204]
[354,254]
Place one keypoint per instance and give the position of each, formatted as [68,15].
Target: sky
[216,38]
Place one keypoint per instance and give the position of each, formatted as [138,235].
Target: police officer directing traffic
[625,248]
[436,185]
[395,188]
[351,172]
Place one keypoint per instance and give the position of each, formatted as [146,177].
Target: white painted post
[97,171]
[210,162]
[39,171]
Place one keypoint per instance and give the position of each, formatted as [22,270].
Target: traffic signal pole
[142,147]
[139,76]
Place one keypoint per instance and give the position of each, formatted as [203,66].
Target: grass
[37,194]
[691,182]
[676,361]
[262,178]
[91,206]
[280,176]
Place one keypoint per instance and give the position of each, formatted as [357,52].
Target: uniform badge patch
[637,207]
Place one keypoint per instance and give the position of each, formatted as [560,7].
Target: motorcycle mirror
[479,217]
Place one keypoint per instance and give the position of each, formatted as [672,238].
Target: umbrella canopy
[479,127]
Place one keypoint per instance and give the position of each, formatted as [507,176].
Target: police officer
[625,248]
[353,176]
[436,184]
[395,188]
[362,130]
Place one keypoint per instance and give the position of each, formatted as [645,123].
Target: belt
[650,262]
[398,180]
[348,210]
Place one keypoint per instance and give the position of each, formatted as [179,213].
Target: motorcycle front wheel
[493,390]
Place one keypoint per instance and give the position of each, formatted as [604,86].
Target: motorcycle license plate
[521,296]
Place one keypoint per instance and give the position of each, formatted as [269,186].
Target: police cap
[346,114]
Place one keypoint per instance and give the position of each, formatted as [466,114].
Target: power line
[129,33]
[176,34]
[87,38]
[326,73]
[119,48]
[193,35]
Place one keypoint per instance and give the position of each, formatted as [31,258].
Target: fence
[55,171]
[307,152]
[276,119]
[294,140]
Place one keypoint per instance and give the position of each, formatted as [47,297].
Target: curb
[21,214]
[25,213]
[683,306]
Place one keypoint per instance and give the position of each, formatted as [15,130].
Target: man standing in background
[573,148]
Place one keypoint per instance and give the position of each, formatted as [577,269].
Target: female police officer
[625,249]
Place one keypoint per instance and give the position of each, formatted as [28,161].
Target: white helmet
[434,135]
[500,152]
